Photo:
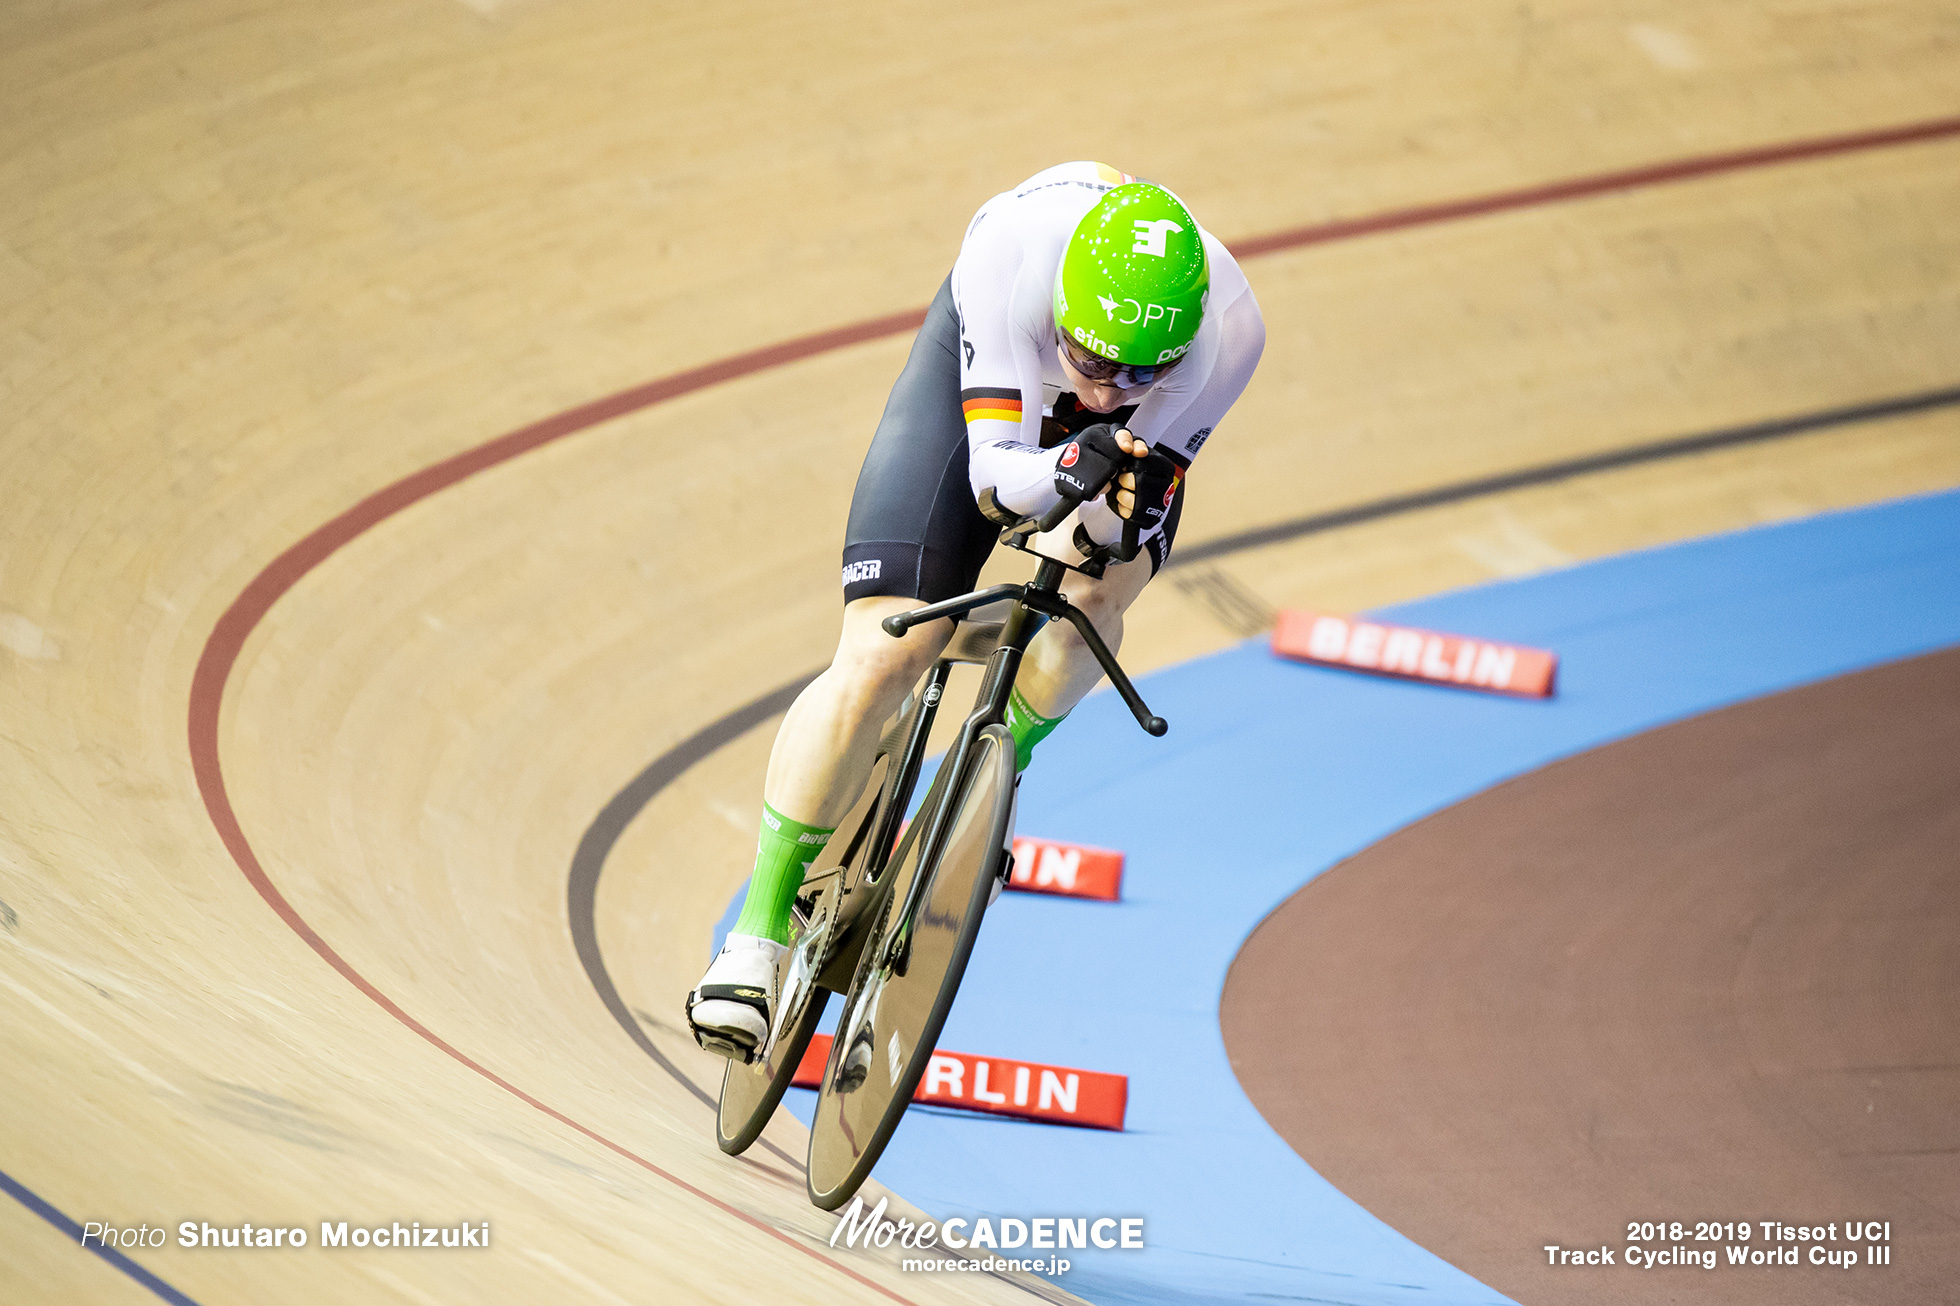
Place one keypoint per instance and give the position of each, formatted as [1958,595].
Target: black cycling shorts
[914,529]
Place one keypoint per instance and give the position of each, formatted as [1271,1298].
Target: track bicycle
[889,920]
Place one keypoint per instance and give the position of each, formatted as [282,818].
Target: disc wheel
[910,969]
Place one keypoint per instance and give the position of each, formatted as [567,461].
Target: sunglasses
[1096,368]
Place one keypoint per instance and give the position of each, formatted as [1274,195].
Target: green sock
[784,850]
[1028,727]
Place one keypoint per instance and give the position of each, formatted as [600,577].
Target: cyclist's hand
[1089,461]
[1152,483]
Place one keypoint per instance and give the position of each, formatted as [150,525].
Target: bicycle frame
[864,932]
[1035,604]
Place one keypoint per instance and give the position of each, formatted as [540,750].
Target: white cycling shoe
[733,1006]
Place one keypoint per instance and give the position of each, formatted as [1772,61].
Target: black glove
[1088,461]
[1156,487]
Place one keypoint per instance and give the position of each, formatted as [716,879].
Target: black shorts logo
[868,569]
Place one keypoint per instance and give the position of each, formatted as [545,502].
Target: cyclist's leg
[915,536]
[1059,669]
[822,756]
[827,742]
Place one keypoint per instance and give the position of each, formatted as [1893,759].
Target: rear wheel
[827,929]
[750,1092]
[911,967]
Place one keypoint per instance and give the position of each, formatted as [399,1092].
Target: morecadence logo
[858,1227]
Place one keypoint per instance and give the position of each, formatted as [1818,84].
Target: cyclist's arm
[1180,413]
[1000,371]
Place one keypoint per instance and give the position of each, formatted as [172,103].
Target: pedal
[856,1066]
[1000,881]
[736,1045]
[733,1049]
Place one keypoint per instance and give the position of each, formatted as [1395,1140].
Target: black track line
[1546,473]
[597,842]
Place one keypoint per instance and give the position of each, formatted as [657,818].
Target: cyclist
[1088,321]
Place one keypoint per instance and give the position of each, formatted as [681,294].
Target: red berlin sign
[1415,654]
[1072,870]
[1067,870]
[1059,1095]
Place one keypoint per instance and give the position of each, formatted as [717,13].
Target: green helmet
[1134,279]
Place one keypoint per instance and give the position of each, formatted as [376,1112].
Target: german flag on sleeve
[985,404]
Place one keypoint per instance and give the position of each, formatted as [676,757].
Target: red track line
[1653,174]
[207,690]
[227,639]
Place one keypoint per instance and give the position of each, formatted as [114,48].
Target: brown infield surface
[1710,972]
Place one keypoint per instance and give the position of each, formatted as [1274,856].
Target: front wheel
[910,970]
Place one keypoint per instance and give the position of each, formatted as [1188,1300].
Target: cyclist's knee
[1103,608]
[874,661]
[1104,602]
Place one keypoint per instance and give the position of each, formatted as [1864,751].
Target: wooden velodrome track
[258,264]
